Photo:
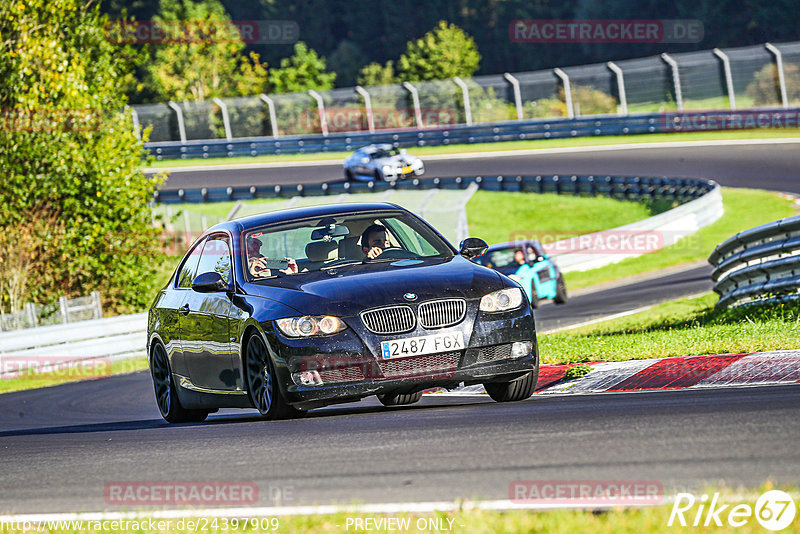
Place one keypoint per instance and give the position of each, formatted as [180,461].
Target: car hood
[348,290]
[395,161]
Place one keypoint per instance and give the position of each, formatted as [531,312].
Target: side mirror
[209,283]
[472,247]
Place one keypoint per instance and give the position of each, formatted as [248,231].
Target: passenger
[257,262]
[519,257]
[374,241]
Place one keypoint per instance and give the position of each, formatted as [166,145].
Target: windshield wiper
[335,266]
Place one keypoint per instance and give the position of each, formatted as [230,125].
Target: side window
[188,270]
[216,257]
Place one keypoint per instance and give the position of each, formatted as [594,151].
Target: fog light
[521,348]
[307,378]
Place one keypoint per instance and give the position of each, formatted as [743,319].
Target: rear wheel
[515,390]
[561,290]
[398,399]
[166,396]
[262,385]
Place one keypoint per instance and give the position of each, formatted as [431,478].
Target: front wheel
[262,386]
[399,399]
[534,297]
[561,291]
[515,390]
[166,397]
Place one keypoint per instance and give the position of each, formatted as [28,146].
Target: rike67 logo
[774,510]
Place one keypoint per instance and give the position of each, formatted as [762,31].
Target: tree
[442,53]
[346,61]
[303,71]
[377,74]
[209,61]
[74,198]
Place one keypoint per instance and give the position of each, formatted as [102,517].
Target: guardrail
[759,264]
[485,133]
[113,338]
[635,188]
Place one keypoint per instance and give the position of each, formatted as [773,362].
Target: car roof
[293,214]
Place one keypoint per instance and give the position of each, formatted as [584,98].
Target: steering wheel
[395,253]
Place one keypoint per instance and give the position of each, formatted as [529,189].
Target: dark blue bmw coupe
[292,310]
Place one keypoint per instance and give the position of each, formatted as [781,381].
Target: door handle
[184,310]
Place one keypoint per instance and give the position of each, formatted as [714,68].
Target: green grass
[34,379]
[744,208]
[683,327]
[492,147]
[650,519]
[504,216]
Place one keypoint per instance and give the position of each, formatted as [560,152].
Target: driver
[374,241]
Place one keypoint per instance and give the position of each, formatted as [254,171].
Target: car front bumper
[348,366]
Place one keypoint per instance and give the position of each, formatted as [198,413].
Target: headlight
[502,300]
[387,169]
[310,325]
[417,163]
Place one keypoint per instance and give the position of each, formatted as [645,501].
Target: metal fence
[759,264]
[67,311]
[737,78]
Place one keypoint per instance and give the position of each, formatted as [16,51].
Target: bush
[585,101]
[765,87]
[74,207]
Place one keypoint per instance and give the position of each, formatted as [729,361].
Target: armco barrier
[621,187]
[700,203]
[759,264]
[485,133]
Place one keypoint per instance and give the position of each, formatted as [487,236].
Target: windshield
[384,153]
[359,238]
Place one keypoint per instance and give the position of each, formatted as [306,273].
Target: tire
[399,399]
[262,386]
[166,395]
[561,291]
[516,390]
[378,177]
[534,297]
[349,175]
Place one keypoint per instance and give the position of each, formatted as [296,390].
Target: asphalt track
[62,445]
[766,166]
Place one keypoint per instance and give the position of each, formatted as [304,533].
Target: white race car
[382,162]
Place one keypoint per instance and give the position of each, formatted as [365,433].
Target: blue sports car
[527,263]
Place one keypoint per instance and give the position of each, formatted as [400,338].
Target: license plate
[417,346]
[407,170]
